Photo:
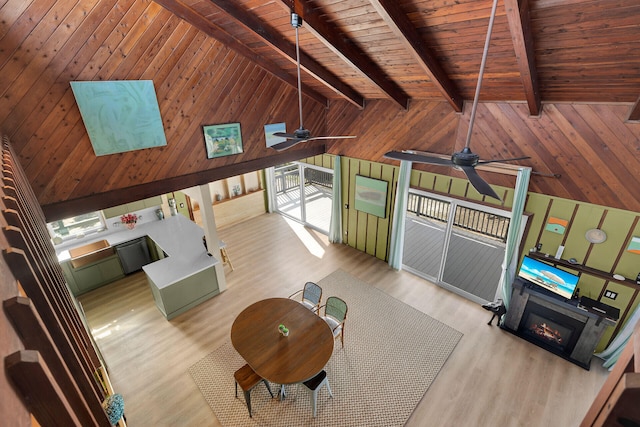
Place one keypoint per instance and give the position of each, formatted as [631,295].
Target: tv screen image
[557,281]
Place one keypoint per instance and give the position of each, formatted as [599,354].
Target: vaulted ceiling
[562,80]
[358,50]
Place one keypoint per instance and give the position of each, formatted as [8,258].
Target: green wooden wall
[370,233]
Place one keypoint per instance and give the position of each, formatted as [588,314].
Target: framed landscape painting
[371,196]
[222,140]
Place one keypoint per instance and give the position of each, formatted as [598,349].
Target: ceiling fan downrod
[296,22]
[485,53]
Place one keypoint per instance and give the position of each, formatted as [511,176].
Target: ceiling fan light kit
[464,160]
[301,134]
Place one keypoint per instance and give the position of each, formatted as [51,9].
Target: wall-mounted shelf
[583,269]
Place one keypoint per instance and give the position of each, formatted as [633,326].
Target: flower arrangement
[129,220]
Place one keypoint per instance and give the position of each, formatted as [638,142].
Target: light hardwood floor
[493,378]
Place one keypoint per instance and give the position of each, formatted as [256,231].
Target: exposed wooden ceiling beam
[522,36]
[94,202]
[335,40]
[189,15]
[406,32]
[288,50]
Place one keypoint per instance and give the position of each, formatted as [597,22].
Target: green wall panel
[371,234]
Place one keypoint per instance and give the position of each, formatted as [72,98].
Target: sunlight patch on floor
[306,237]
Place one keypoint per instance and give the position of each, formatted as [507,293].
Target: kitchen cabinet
[93,275]
[117,211]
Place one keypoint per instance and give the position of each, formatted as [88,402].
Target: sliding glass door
[456,244]
[303,192]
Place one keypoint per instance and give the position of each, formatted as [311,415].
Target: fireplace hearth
[556,325]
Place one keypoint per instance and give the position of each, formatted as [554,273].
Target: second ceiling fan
[301,134]
[464,160]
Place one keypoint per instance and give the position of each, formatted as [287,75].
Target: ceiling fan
[464,160]
[301,134]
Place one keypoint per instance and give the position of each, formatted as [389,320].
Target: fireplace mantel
[593,324]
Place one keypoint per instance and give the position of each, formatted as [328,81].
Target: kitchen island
[185,276]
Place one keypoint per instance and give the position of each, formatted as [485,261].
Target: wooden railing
[617,402]
[55,373]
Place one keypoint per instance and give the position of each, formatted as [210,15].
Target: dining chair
[248,379]
[311,295]
[314,385]
[335,314]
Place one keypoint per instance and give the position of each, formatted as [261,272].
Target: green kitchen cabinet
[92,276]
[117,211]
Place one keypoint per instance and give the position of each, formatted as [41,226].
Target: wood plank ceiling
[387,71]
[545,50]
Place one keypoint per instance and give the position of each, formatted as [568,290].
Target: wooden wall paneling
[169,29]
[44,30]
[581,165]
[66,66]
[39,82]
[185,128]
[598,158]
[215,110]
[34,335]
[98,172]
[617,151]
[41,393]
[152,162]
[140,36]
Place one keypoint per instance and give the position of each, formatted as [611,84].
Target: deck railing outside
[474,220]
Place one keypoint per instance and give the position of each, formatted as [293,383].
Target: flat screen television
[548,277]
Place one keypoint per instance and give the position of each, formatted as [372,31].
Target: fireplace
[550,329]
[557,325]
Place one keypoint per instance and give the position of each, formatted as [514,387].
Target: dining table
[280,359]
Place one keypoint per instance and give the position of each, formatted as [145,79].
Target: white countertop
[179,237]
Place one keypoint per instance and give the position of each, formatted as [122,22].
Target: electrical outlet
[610,294]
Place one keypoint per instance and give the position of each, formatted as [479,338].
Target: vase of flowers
[129,220]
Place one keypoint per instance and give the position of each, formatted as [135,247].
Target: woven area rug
[392,354]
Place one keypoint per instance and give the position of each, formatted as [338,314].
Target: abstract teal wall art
[120,115]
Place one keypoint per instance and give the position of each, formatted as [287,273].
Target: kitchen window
[76,226]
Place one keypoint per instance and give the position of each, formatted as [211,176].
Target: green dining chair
[335,314]
[311,295]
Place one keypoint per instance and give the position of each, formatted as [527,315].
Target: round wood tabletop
[279,359]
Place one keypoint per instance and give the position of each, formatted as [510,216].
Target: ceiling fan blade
[285,135]
[484,162]
[478,183]
[330,137]
[418,158]
[281,146]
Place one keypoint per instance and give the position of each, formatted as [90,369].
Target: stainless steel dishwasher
[133,254]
